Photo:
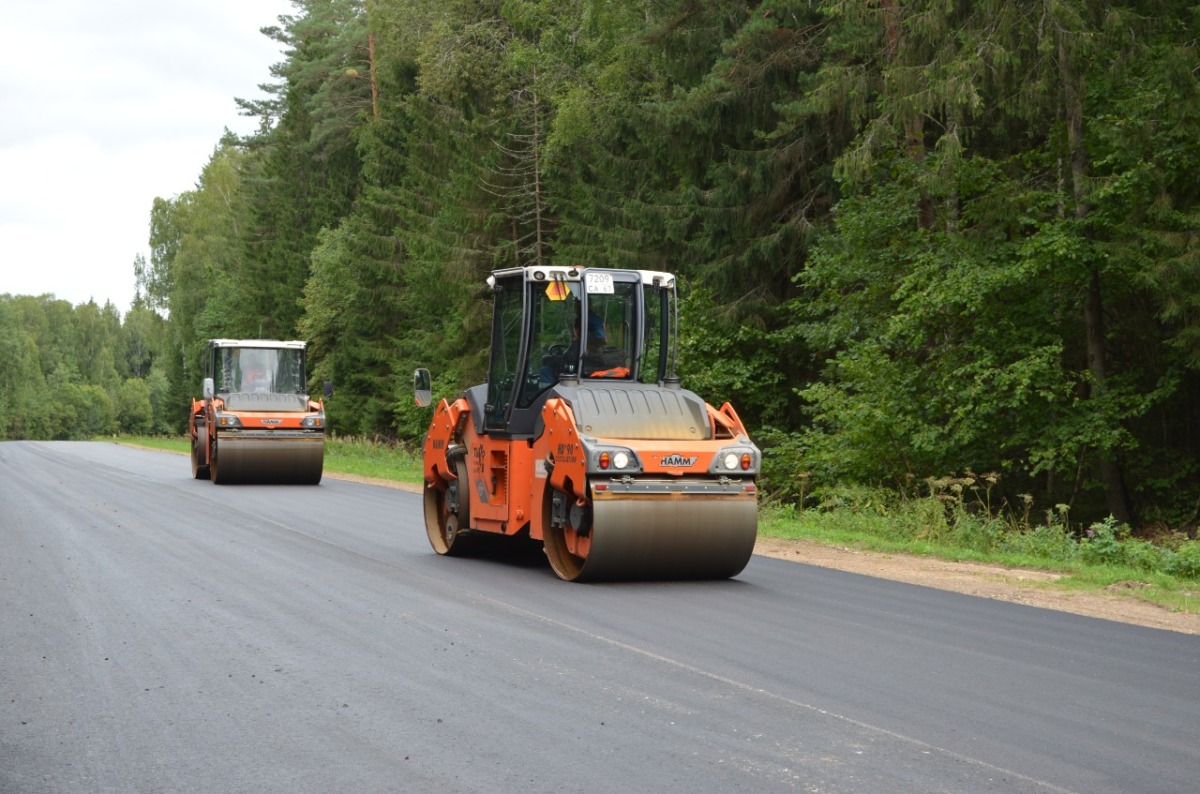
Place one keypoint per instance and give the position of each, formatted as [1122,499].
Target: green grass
[914,529]
[372,459]
[353,457]
[169,443]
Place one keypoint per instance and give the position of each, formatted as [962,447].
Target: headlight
[740,458]
[228,420]
[314,422]
[615,459]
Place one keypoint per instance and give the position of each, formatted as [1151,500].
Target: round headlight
[620,460]
[731,460]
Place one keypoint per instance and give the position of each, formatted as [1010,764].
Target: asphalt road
[160,634]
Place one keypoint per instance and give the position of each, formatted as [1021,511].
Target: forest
[916,239]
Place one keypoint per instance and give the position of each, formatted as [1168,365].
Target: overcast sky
[104,105]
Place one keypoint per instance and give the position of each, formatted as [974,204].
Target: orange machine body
[509,479]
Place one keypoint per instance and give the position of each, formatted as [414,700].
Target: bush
[1101,543]
[1185,561]
[1047,541]
[1108,543]
[783,476]
[135,413]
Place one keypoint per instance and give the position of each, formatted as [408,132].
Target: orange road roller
[584,438]
[255,422]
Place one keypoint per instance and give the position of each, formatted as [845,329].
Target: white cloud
[103,107]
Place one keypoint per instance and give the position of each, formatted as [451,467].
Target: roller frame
[284,453]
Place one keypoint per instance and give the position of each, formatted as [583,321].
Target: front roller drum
[297,461]
[657,537]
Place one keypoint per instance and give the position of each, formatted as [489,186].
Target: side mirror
[209,390]
[422,387]
[328,389]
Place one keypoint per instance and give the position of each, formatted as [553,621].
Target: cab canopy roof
[267,343]
[560,273]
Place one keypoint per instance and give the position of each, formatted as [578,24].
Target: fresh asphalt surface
[161,634]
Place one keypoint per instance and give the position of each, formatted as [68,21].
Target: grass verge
[1029,549]
[353,457]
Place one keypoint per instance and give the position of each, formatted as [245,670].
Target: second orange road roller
[255,422]
[584,438]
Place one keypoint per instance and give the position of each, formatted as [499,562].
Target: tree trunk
[914,126]
[371,72]
[1111,472]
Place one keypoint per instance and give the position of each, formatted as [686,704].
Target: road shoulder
[1028,587]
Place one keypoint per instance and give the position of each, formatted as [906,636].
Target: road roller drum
[660,538]
[298,460]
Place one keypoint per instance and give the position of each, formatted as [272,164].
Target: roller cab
[255,422]
[583,437]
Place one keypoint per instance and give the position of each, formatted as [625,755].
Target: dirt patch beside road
[987,581]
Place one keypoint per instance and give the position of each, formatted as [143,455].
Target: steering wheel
[557,350]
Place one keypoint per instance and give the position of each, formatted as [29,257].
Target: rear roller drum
[199,442]
[448,513]
[567,536]
[214,470]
